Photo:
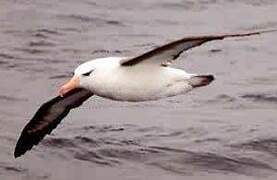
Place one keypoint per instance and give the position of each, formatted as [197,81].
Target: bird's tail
[201,80]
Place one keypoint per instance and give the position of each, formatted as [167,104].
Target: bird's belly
[128,86]
[140,90]
[129,91]
[149,93]
[132,84]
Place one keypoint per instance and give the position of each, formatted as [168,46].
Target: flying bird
[142,78]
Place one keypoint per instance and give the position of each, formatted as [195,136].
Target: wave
[110,146]
[260,97]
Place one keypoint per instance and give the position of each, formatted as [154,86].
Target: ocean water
[226,130]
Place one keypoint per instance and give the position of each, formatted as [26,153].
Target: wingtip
[267,31]
[20,149]
[16,154]
[262,32]
[250,33]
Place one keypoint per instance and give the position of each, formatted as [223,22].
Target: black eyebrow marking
[87,73]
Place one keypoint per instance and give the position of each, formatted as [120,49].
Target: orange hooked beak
[73,83]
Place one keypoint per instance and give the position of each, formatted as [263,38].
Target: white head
[80,79]
[84,73]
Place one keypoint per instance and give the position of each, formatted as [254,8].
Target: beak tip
[60,92]
[70,85]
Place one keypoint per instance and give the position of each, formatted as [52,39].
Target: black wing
[171,51]
[48,116]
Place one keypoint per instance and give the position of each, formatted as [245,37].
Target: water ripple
[259,97]
[264,145]
[109,146]
[90,19]
[7,168]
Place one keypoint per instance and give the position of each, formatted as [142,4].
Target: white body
[128,83]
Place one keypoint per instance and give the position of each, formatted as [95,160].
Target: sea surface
[227,130]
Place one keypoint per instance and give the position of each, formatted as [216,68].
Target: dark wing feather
[171,51]
[48,116]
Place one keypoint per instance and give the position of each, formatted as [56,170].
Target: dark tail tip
[210,78]
[201,80]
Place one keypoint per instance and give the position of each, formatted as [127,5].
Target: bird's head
[80,79]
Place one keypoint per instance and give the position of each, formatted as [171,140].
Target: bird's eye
[87,73]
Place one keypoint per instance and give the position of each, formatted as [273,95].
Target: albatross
[142,78]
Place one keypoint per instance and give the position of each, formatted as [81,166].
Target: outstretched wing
[48,116]
[165,54]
